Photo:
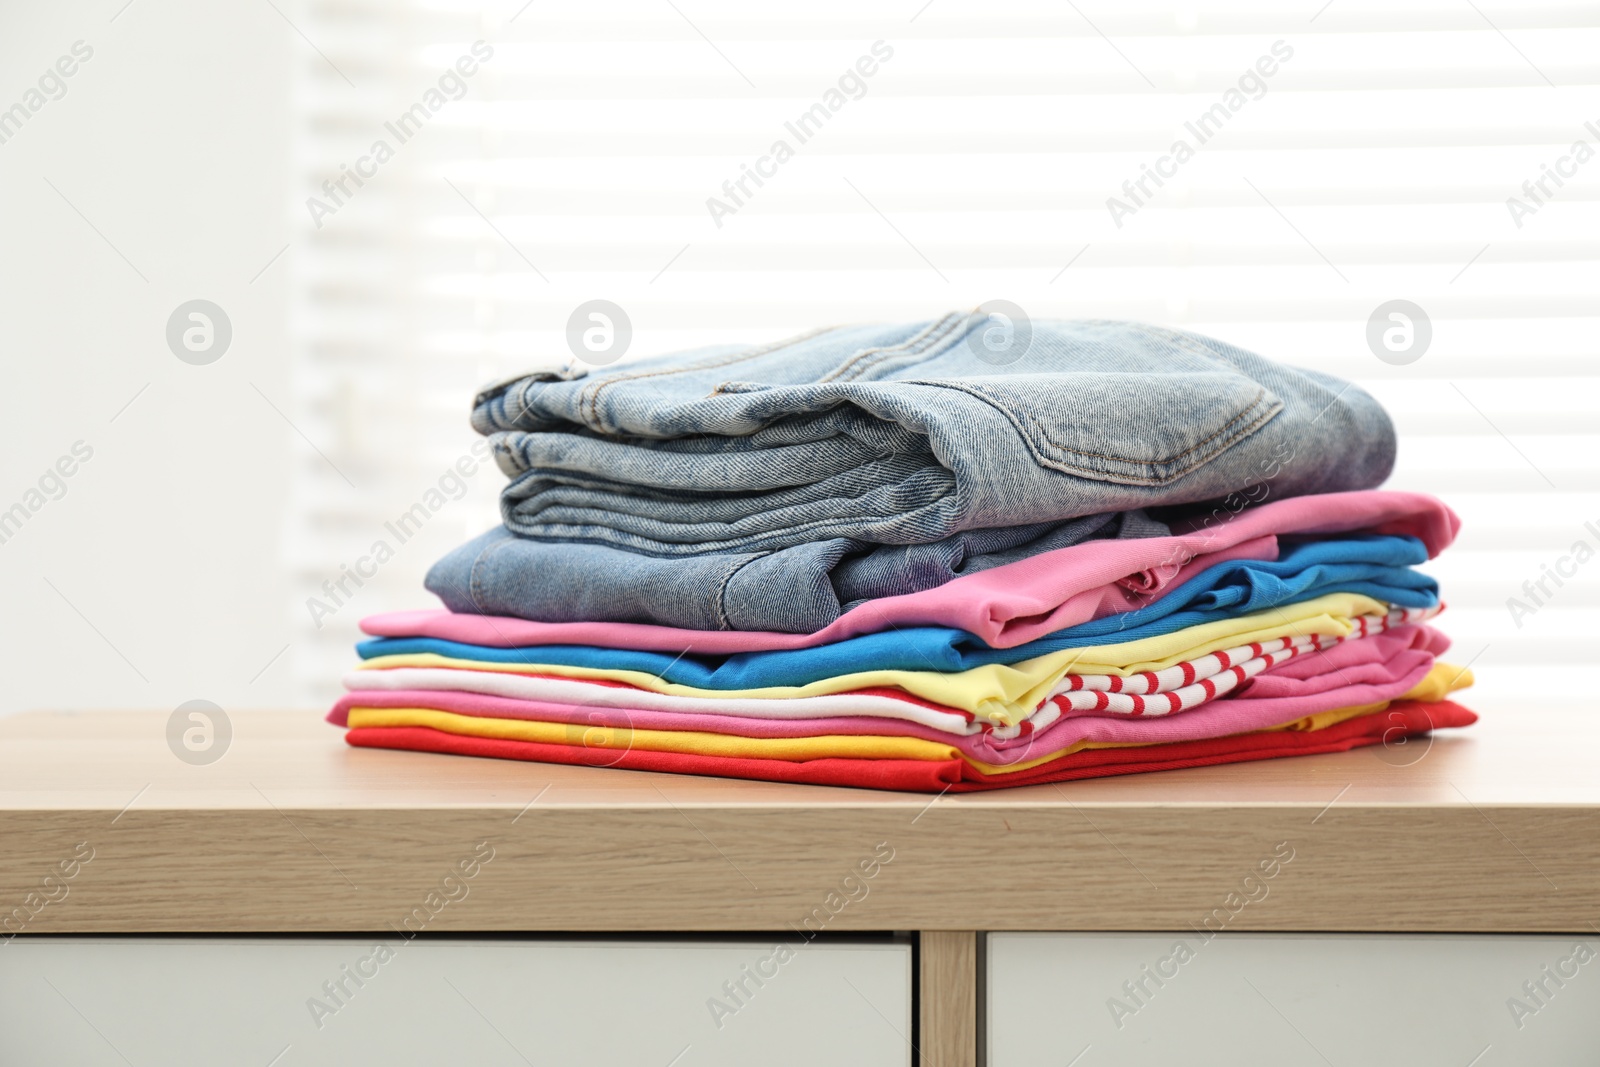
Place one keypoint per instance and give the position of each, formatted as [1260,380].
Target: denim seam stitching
[516,520]
[1016,420]
[1195,346]
[1254,403]
[589,403]
[720,601]
[934,346]
[804,526]
[918,343]
[908,345]
[474,586]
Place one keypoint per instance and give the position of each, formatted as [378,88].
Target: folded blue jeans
[791,590]
[908,434]
[1378,566]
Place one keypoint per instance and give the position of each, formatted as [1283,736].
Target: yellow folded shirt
[1004,694]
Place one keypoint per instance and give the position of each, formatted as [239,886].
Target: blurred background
[175,490]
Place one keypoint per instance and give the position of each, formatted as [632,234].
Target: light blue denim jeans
[773,488]
[790,590]
[903,435]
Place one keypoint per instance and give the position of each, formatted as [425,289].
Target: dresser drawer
[1291,999]
[342,1001]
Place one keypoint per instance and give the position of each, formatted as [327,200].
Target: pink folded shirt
[1005,606]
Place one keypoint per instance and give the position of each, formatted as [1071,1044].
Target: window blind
[1340,156]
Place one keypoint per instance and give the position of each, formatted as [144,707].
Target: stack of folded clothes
[896,557]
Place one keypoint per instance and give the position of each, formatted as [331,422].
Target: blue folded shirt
[1371,565]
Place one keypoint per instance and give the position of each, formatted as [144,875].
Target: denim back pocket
[1131,429]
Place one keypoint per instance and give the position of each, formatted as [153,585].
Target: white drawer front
[1291,999]
[170,1002]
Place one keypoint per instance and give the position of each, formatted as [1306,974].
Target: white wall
[172,141]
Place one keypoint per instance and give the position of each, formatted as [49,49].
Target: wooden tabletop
[1496,827]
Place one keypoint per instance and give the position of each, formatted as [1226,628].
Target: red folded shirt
[1401,719]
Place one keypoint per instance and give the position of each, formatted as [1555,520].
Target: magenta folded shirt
[1005,606]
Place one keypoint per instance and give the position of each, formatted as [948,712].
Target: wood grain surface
[948,984]
[1494,828]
